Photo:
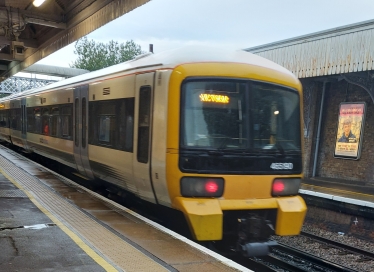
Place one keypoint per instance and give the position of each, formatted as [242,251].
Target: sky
[235,24]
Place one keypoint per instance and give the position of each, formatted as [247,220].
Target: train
[210,132]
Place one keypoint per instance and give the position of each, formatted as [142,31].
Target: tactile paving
[12,193]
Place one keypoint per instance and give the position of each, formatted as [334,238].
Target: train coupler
[254,236]
[256,249]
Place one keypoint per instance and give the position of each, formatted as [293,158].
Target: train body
[214,134]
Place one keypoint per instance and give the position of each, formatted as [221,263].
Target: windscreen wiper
[280,148]
[223,145]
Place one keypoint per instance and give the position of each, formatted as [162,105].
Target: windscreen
[239,115]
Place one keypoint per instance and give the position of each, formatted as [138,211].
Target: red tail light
[201,187]
[278,186]
[285,186]
[211,186]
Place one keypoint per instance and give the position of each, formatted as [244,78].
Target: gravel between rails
[318,249]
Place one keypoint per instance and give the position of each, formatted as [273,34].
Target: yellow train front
[234,151]
[215,134]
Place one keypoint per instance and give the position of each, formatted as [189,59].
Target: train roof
[166,60]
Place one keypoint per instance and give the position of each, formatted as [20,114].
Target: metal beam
[20,84]
[7,57]
[27,43]
[75,30]
[366,83]
[45,23]
[17,14]
[22,17]
[316,150]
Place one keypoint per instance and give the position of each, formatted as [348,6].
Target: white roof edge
[165,60]
[369,24]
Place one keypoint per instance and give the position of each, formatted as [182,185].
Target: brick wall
[311,93]
[327,165]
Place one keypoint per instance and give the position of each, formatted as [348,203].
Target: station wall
[327,166]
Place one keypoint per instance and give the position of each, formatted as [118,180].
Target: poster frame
[361,133]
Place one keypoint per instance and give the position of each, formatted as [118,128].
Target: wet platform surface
[31,241]
[48,223]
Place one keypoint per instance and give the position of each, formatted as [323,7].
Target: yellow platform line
[89,251]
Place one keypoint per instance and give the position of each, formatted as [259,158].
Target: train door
[142,136]
[24,123]
[80,133]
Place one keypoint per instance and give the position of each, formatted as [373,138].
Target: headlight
[285,186]
[202,187]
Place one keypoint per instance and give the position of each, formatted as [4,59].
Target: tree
[97,55]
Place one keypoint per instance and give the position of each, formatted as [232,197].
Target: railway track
[292,259]
[345,249]
[329,255]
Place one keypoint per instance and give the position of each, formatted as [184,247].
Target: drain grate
[12,193]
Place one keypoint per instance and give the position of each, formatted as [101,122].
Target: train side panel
[15,123]
[114,166]
[49,125]
[159,135]
[107,162]
[51,147]
[4,121]
[144,95]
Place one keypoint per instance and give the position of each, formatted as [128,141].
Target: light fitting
[37,3]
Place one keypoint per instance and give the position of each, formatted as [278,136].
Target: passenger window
[76,132]
[66,121]
[38,122]
[111,123]
[55,121]
[84,122]
[65,126]
[30,120]
[2,123]
[45,121]
[129,135]
[23,119]
[144,123]
[8,118]
[104,135]
[16,119]
[124,125]
[3,118]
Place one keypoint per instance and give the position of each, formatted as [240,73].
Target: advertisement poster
[350,130]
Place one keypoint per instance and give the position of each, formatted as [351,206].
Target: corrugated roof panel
[341,50]
[368,56]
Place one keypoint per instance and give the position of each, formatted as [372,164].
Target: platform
[49,223]
[351,192]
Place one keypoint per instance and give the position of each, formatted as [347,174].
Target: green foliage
[97,55]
